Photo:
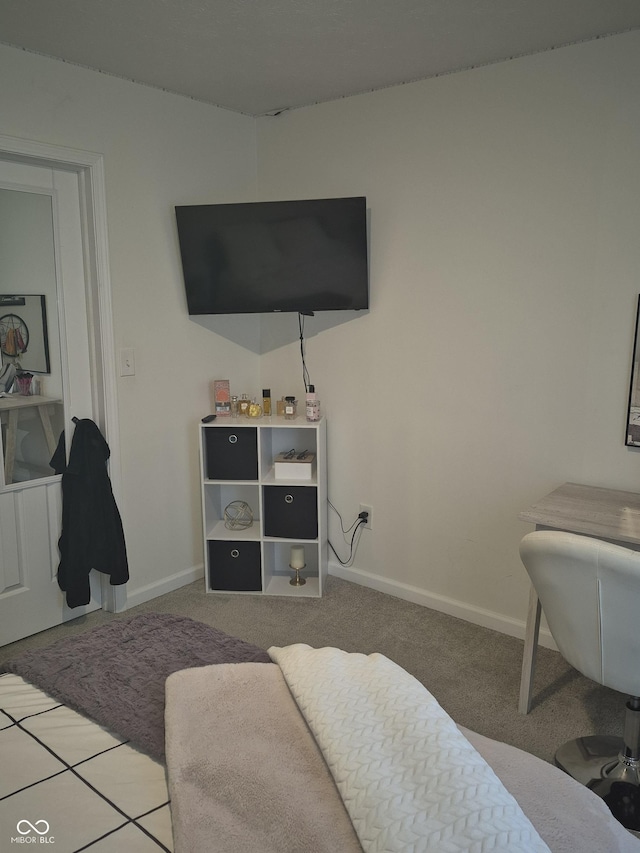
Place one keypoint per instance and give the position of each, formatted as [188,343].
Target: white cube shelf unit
[237,463]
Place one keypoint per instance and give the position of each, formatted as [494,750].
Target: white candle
[297,558]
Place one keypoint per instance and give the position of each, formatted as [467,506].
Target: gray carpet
[473,672]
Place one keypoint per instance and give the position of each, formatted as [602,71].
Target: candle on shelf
[297,558]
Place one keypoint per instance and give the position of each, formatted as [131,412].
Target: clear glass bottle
[243,406]
[312,405]
[290,407]
[255,409]
[234,407]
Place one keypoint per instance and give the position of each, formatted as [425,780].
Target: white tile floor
[66,778]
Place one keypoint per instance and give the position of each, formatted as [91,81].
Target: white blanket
[408,777]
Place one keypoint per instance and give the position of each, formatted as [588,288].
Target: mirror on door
[31,388]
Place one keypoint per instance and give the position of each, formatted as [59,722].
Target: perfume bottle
[234,407]
[313,404]
[243,406]
[266,402]
[254,410]
[290,407]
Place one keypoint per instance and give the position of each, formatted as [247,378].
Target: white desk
[10,408]
[588,510]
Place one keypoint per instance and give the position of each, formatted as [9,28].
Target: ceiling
[263,56]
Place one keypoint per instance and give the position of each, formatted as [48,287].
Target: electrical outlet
[369,509]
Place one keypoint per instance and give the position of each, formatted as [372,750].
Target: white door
[41,255]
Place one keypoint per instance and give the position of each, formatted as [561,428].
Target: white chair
[590,594]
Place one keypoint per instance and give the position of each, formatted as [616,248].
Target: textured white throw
[408,777]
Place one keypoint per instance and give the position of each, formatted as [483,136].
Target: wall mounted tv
[259,257]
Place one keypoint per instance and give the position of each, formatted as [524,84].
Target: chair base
[598,763]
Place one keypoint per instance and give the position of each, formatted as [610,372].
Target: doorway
[80,381]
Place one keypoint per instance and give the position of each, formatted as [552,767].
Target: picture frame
[632,433]
[24,339]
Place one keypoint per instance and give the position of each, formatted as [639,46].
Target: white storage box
[294,469]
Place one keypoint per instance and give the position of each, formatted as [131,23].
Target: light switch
[127,362]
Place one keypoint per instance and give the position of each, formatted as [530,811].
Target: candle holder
[297,564]
[297,580]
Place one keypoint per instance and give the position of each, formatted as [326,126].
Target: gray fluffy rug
[115,674]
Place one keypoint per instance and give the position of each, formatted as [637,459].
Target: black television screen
[258,257]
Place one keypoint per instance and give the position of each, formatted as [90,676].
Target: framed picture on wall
[24,340]
[633,414]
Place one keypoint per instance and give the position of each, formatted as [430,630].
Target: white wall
[494,363]
[159,150]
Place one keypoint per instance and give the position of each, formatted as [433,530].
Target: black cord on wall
[362,518]
[305,372]
[357,526]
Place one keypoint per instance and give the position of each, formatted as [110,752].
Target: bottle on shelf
[243,406]
[254,410]
[312,404]
[290,408]
[266,402]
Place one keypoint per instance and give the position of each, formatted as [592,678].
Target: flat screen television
[259,257]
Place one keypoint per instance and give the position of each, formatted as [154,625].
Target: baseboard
[461,609]
[161,587]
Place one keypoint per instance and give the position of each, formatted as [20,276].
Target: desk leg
[530,652]
[10,449]
[46,427]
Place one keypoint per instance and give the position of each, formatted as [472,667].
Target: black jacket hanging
[92,536]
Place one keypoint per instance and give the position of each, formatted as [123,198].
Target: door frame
[89,168]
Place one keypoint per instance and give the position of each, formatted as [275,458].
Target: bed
[72,782]
[222,747]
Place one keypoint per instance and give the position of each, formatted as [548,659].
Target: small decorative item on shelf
[238,515]
[313,404]
[24,383]
[221,397]
[255,410]
[290,407]
[294,465]
[243,406]
[297,563]
[7,377]
[266,402]
[234,406]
